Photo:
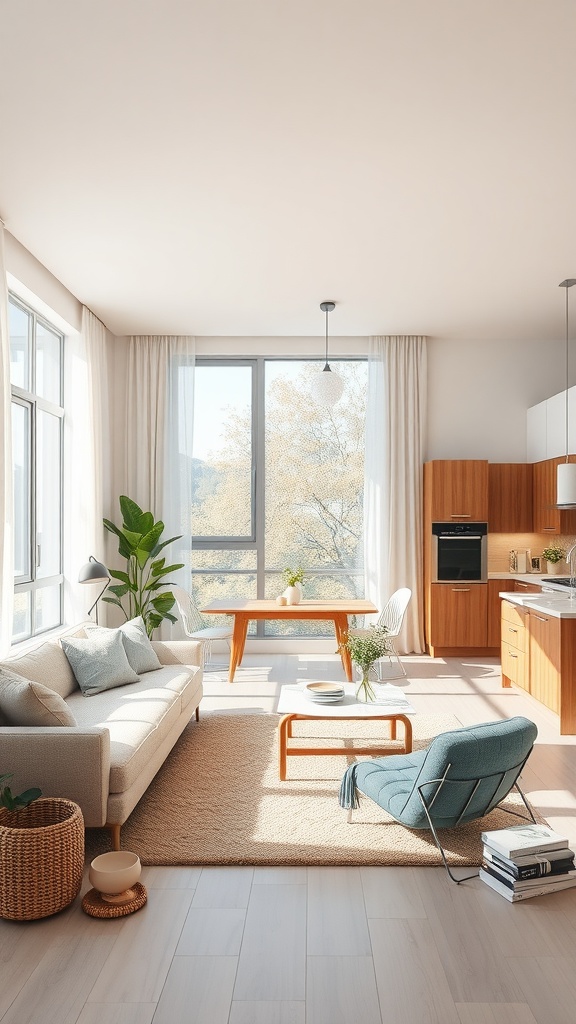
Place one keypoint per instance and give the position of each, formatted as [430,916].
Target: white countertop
[560,606]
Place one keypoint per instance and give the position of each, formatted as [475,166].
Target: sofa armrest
[71,762]
[174,652]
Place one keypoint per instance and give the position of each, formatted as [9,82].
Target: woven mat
[218,800]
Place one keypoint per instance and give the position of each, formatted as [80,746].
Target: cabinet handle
[524,586]
[461,515]
[549,529]
[510,655]
[512,630]
[460,590]
[540,618]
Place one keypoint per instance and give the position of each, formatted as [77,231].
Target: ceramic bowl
[114,873]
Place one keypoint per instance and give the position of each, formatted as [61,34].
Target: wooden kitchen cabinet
[510,497]
[545,658]
[515,646]
[547,519]
[456,490]
[457,617]
[495,610]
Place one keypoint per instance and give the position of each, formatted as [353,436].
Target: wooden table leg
[341,630]
[238,642]
[284,730]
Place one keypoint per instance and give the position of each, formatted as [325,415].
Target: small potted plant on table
[553,556]
[293,579]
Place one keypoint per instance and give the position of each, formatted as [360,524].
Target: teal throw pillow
[99,661]
[139,650]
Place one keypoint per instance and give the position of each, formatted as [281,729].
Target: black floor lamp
[94,572]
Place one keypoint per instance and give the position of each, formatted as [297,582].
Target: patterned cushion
[25,702]
[99,661]
[139,650]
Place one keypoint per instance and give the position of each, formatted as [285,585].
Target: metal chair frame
[445,781]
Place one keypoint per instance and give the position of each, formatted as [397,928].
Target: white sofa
[106,762]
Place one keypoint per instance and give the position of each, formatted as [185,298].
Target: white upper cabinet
[536,433]
[546,427]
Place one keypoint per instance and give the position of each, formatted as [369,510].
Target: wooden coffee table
[295,706]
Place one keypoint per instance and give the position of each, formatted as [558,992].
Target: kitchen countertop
[555,600]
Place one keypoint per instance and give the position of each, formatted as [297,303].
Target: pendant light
[566,471]
[327,387]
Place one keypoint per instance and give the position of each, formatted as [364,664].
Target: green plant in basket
[553,554]
[365,650]
[14,803]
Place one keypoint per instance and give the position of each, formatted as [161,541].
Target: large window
[36,358]
[277,481]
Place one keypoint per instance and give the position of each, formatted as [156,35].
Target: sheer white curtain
[85,455]
[6,502]
[395,435]
[158,432]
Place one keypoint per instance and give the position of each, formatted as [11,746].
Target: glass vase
[366,688]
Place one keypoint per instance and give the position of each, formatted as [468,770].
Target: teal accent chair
[461,776]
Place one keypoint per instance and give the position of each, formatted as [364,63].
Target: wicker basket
[41,858]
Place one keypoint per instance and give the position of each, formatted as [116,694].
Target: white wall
[479,393]
[29,279]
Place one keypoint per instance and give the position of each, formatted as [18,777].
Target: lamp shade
[566,484]
[327,387]
[93,572]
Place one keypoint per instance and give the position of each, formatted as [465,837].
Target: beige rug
[218,800]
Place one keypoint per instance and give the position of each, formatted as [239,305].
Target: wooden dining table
[244,611]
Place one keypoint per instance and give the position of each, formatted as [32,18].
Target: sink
[564,581]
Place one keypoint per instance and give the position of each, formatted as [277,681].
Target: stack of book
[525,861]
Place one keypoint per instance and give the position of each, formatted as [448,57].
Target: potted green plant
[139,587]
[41,853]
[553,556]
[293,579]
[366,649]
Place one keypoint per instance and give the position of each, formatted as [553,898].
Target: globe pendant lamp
[566,471]
[327,387]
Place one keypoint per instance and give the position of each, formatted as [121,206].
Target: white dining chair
[391,617]
[194,626]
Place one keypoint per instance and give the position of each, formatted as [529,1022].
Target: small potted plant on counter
[553,556]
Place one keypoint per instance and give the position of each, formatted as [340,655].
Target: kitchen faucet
[571,565]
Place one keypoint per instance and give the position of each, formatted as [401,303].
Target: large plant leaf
[131,513]
[157,576]
[157,566]
[145,523]
[123,548]
[164,544]
[148,543]
[163,603]
[122,589]
[133,539]
[117,574]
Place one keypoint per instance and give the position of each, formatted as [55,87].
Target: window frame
[28,398]
[257,542]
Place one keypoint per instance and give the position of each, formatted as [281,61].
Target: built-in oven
[459,552]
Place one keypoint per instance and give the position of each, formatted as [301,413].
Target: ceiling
[220,167]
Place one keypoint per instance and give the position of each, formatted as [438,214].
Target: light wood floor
[319,945]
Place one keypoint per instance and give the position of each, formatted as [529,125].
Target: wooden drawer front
[545,659]
[527,588]
[515,636]
[514,615]
[514,665]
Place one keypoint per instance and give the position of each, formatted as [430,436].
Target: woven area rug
[218,800]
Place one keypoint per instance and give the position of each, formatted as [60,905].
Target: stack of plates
[325,693]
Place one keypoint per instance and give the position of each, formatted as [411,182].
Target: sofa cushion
[138,718]
[45,664]
[99,661]
[26,702]
[139,650]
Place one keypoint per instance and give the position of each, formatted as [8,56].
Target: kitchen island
[538,648]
